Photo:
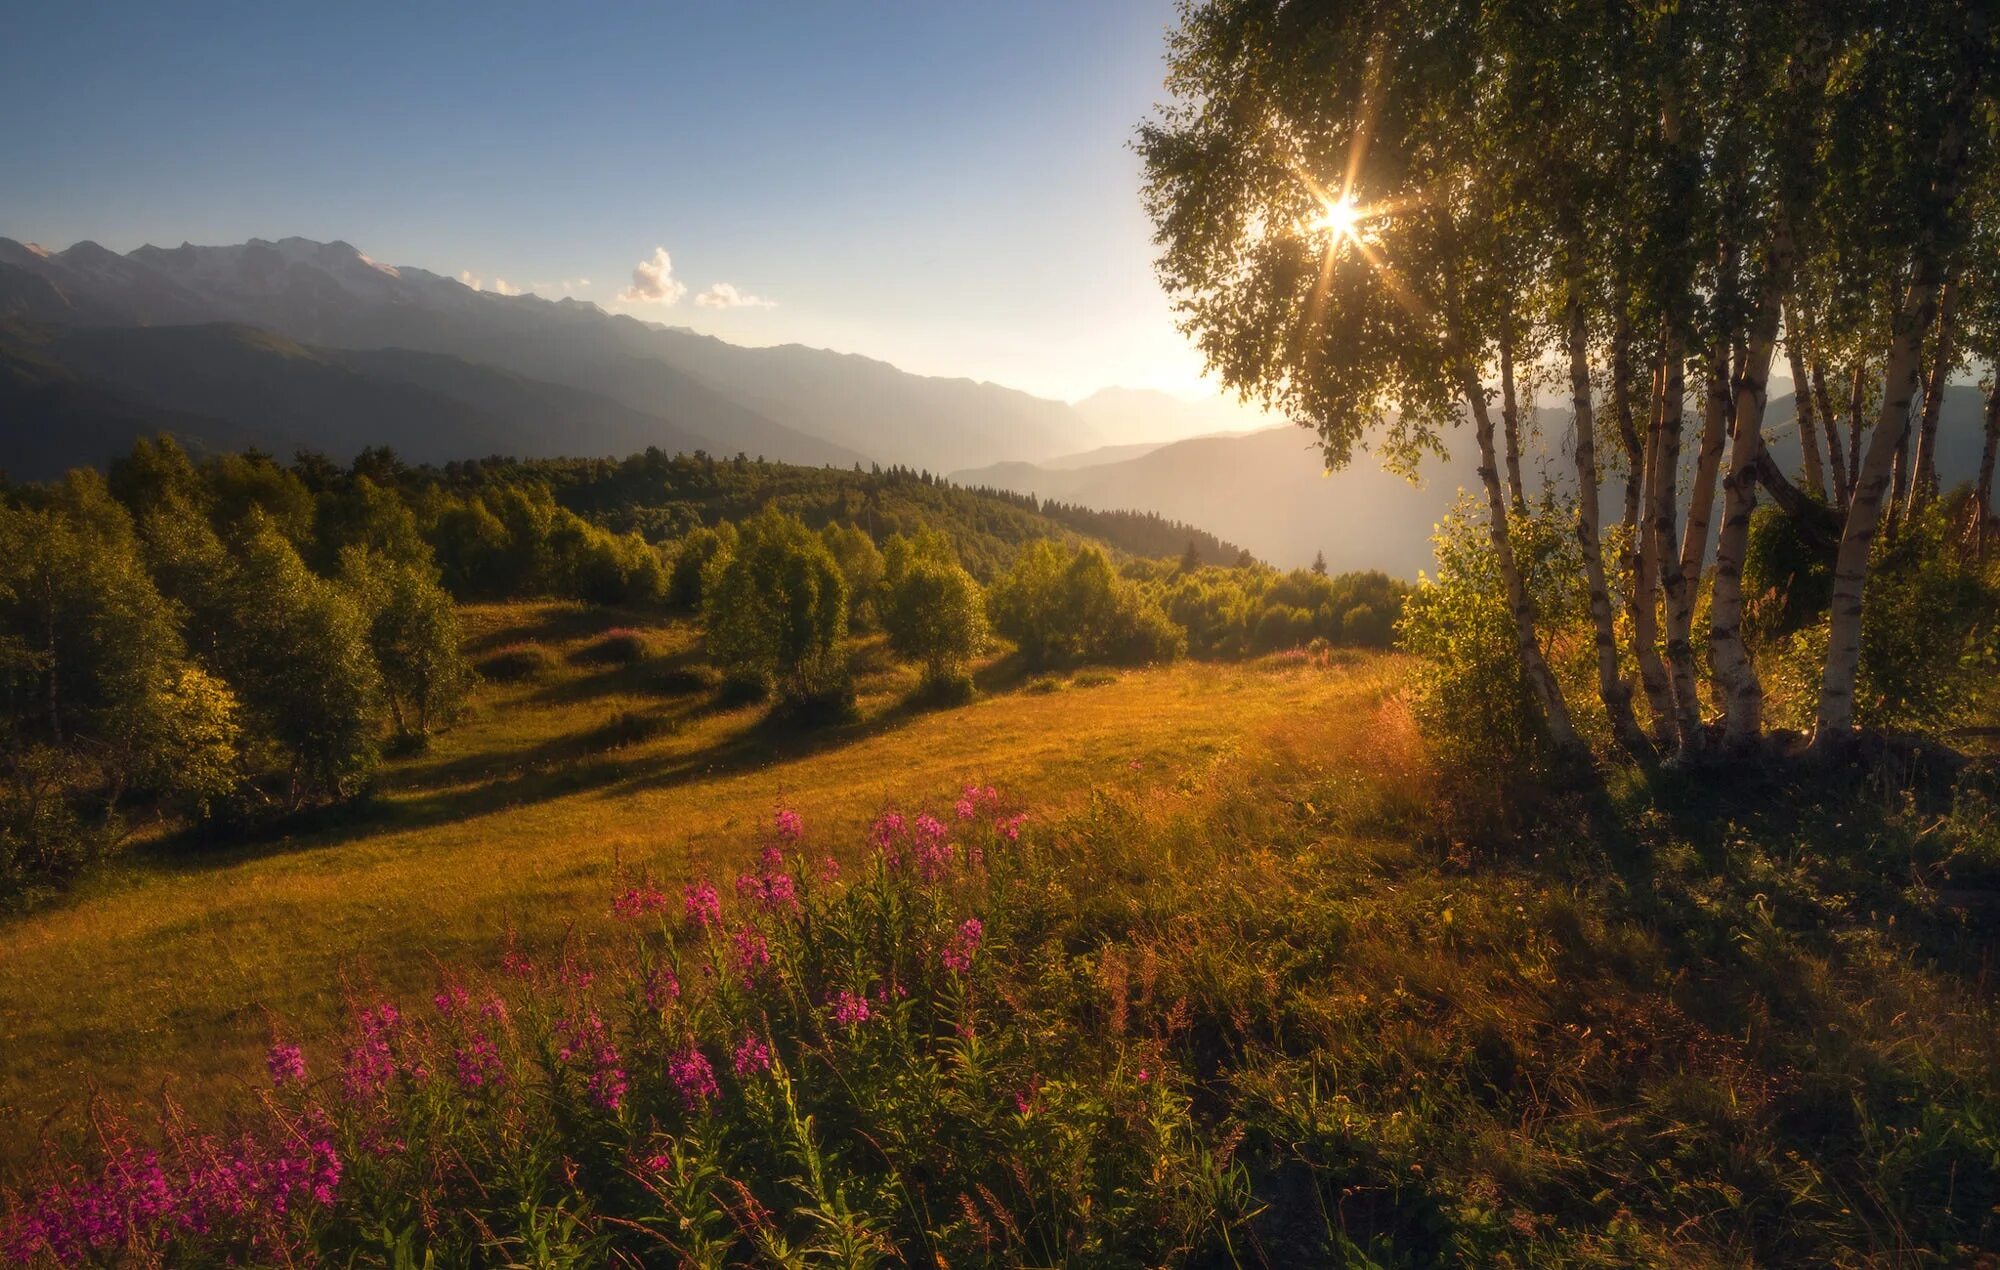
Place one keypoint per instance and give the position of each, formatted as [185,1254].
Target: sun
[1338,218]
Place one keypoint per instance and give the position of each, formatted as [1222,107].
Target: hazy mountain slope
[793,403]
[251,387]
[1267,489]
[871,406]
[51,420]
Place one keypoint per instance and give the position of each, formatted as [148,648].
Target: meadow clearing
[165,977]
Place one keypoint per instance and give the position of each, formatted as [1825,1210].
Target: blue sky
[945,185]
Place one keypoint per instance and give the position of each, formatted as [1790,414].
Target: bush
[517,662]
[1468,694]
[1066,608]
[619,646]
[683,681]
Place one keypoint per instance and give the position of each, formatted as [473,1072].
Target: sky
[948,186]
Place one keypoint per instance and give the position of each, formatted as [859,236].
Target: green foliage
[414,634]
[862,567]
[1930,632]
[1467,691]
[1257,609]
[517,662]
[299,654]
[1066,608]
[774,611]
[1787,581]
[99,699]
[692,556]
[934,612]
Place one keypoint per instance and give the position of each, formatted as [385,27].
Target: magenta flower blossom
[829,869]
[703,904]
[752,1056]
[974,799]
[477,1063]
[448,999]
[286,1063]
[790,826]
[692,1075]
[635,902]
[847,1009]
[771,887]
[1009,827]
[753,954]
[586,1041]
[964,942]
[662,988]
[371,1060]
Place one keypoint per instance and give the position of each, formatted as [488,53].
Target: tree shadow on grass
[598,760]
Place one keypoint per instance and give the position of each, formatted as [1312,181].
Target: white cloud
[470,279]
[653,281]
[724,295]
[505,287]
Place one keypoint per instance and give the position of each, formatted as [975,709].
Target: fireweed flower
[477,1063]
[370,1060]
[957,952]
[449,998]
[752,1056]
[703,904]
[286,1063]
[1009,827]
[974,798]
[635,902]
[790,825]
[753,954]
[662,988]
[771,887]
[847,1009]
[692,1076]
[586,1041]
[934,851]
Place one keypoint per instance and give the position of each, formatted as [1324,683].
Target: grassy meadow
[166,976]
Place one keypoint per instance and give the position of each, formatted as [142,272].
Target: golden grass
[169,974]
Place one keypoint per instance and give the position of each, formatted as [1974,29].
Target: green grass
[166,975]
[1681,1020]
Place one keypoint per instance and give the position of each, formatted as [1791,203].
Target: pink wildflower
[286,1063]
[753,954]
[829,869]
[1009,827]
[703,904]
[635,902]
[790,826]
[587,1040]
[662,988]
[958,950]
[752,1056]
[691,1074]
[477,1063]
[448,999]
[848,1009]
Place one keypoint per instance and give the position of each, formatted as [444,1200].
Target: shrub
[619,646]
[1468,694]
[517,662]
[683,681]
[1065,608]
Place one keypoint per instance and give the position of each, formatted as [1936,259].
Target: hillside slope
[1269,490]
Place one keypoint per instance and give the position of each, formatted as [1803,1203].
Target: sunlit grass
[167,974]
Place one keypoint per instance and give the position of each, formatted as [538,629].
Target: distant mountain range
[1269,489]
[296,342]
